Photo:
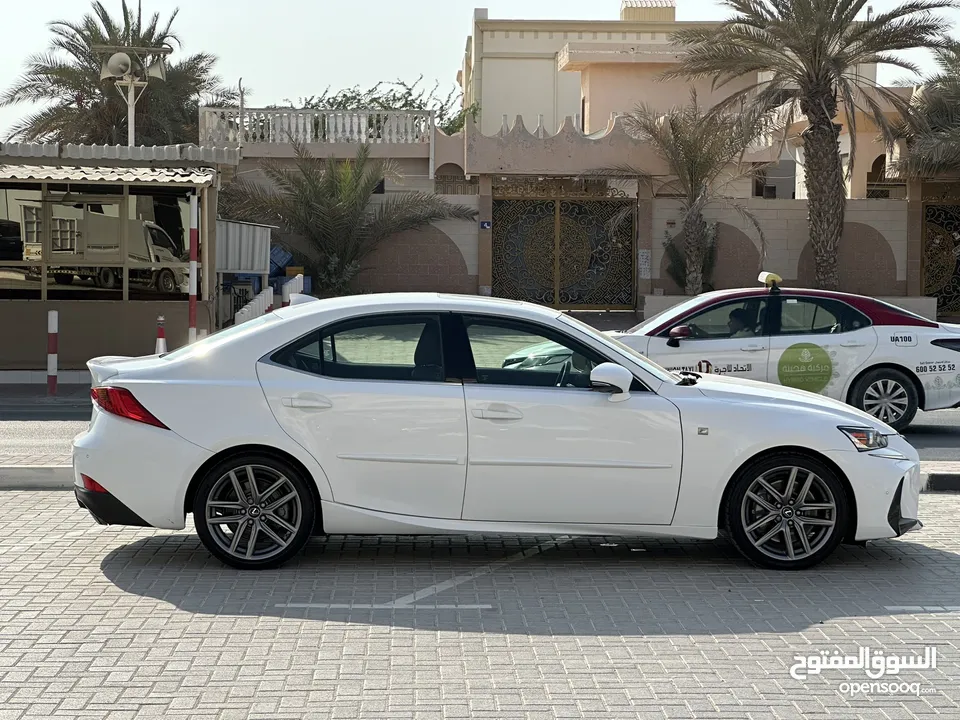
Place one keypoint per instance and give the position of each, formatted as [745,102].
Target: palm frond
[328,211]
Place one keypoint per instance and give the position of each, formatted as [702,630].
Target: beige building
[549,96]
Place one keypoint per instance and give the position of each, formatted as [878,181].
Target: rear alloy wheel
[889,395]
[787,512]
[254,512]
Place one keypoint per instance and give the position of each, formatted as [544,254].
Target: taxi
[868,353]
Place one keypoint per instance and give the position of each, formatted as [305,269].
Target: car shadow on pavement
[594,586]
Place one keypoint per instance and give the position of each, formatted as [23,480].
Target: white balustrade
[264,301]
[225,126]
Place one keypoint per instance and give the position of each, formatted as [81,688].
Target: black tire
[107,279]
[776,469]
[166,281]
[217,486]
[902,390]
[63,279]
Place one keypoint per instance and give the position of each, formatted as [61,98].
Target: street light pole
[131,113]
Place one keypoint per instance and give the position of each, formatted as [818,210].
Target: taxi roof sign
[771,280]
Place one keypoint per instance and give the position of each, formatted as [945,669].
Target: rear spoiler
[103,368]
[300,298]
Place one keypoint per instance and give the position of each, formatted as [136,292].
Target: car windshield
[658,371]
[201,347]
[678,309]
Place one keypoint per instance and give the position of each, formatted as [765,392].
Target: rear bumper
[106,509]
[145,471]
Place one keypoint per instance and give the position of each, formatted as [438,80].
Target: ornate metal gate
[563,250]
[941,250]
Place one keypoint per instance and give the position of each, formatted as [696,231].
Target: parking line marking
[485,570]
[383,606]
[409,602]
[922,608]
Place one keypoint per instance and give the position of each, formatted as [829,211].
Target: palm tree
[705,152]
[324,207]
[932,130]
[79,107]
[806,55]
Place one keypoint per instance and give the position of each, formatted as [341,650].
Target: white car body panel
[400,447]
[745,357]
[397,457]
[597,461]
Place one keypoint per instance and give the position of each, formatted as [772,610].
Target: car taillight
[120,401]
[948,343]
[92,485]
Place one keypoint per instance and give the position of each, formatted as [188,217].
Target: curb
[36,477]
[942,483]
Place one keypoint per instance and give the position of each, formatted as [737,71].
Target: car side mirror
[612,378]
[677,334]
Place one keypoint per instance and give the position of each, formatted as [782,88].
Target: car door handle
[307,403]
[498,413]
[753,348]
[852,344]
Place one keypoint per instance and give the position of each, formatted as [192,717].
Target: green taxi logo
[805,366]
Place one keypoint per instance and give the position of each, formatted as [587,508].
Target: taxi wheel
[887,394]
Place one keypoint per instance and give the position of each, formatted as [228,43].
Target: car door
[544,447]
[728,338]
[370,400]
[817,343]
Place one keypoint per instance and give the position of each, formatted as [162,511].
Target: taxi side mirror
[677,334]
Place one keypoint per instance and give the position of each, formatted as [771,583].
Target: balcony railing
[225,126]
[887,191]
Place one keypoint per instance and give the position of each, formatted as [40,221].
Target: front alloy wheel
[787,512]
[253,512]
[889,395]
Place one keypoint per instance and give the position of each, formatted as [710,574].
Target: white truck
[98,236]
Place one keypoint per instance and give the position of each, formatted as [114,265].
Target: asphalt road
[936,435]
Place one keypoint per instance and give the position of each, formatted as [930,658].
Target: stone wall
[440,258]
[873,249]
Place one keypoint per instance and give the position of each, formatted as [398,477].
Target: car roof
[418,301]
[878,311]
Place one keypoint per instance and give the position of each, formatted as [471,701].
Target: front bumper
[106,509]
[895,515]
[886,488]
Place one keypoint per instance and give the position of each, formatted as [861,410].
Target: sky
[288,49]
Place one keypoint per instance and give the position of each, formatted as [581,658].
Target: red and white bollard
[52,331]
[161,337]
[194,245]
[285,294]
[269,299]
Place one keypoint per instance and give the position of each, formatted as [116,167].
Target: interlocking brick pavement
[115,623]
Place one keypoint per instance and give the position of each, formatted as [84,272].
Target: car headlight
[865,438]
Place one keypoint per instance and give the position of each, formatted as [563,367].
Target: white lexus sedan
[396,414]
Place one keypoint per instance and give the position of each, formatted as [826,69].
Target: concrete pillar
[485,236]
[915,283]
[644,242]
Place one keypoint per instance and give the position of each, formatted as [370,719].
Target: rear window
[220,337]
